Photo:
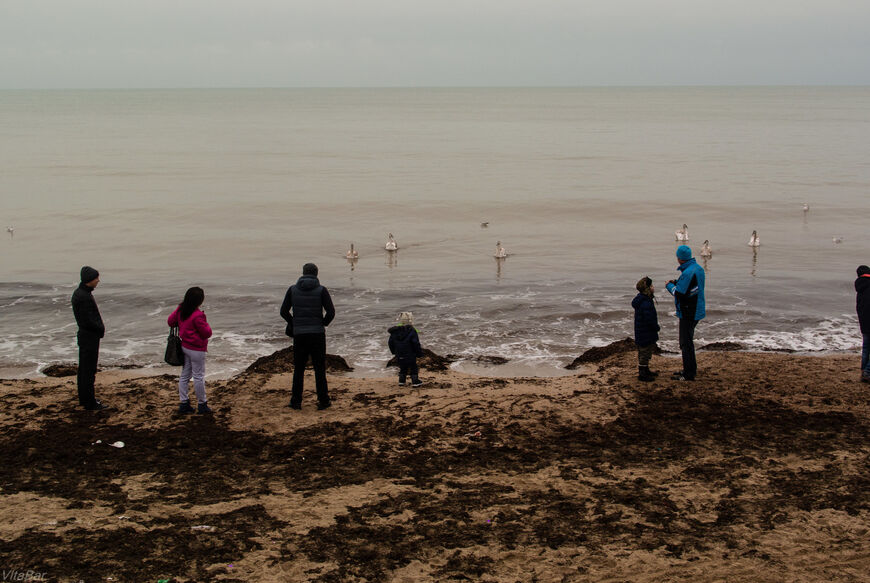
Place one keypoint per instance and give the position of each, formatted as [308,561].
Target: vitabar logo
[29,575]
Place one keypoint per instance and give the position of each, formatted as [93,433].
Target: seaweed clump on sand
[429,361]
[599,353]
[282,361]
[60,370]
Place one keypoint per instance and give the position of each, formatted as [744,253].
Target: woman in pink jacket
[195,332]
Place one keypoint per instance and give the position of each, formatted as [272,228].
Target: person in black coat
[646,327]
[91,330]
[862,305]
[405,344]
[312,313]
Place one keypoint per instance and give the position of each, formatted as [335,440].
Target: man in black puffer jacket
[91,329]
[312,312]
[862,288]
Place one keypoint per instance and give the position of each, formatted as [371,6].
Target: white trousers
[194,366]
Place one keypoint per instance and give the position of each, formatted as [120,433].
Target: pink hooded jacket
[194,331]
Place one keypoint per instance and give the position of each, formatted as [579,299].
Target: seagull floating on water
[500,252]
[706,250]
[754,240]
[11,230]
[484,224]
[351,253]
[806,207]
[391,244]
[682,234]
[837,239]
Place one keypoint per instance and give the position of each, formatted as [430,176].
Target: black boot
[643,374]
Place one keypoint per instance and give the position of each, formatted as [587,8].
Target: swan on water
[500,252]
[391,244]
[682,234]
[706,250]
[754,240]
[351,253]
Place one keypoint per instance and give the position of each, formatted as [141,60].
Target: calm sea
[234,190]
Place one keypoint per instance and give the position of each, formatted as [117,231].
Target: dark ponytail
[193,299]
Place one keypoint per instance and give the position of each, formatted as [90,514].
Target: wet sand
[758,471]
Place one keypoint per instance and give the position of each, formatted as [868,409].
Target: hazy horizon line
[371,87]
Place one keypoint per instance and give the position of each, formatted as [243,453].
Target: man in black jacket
[91,329]
[862,289]
[312,312]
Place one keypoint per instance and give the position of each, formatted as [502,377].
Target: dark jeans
[687,347]
[89,353]
[408,366]
[865,356]
[305,346]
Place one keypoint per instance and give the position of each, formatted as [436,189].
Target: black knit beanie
[89,274]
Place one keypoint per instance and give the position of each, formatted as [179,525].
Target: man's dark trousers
[313,345]
[89,353]
[687,347]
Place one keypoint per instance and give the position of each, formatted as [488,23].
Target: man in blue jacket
[313,310]
[688,292]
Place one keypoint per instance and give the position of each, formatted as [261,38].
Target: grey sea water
[234,190]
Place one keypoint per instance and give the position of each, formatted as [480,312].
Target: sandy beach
[758,471]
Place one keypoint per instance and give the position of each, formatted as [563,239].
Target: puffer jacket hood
[308,282]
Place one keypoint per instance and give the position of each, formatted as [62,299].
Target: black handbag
[174,355]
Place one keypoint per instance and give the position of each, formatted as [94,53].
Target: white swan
[351,253]
[500,252]
[754,240]
[682,234]
[706,250]
[391,244]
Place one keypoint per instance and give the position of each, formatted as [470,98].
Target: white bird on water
[754,240]
[806,207]
[682,234]
[706,250]
[391,244]
[500,252]
[351,253]
[11,230]
[837,239]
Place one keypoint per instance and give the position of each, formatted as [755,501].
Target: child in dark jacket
[405,344]
[646,327]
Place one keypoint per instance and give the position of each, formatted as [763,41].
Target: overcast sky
[361,43]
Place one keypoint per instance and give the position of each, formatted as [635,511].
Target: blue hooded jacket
[689,291]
